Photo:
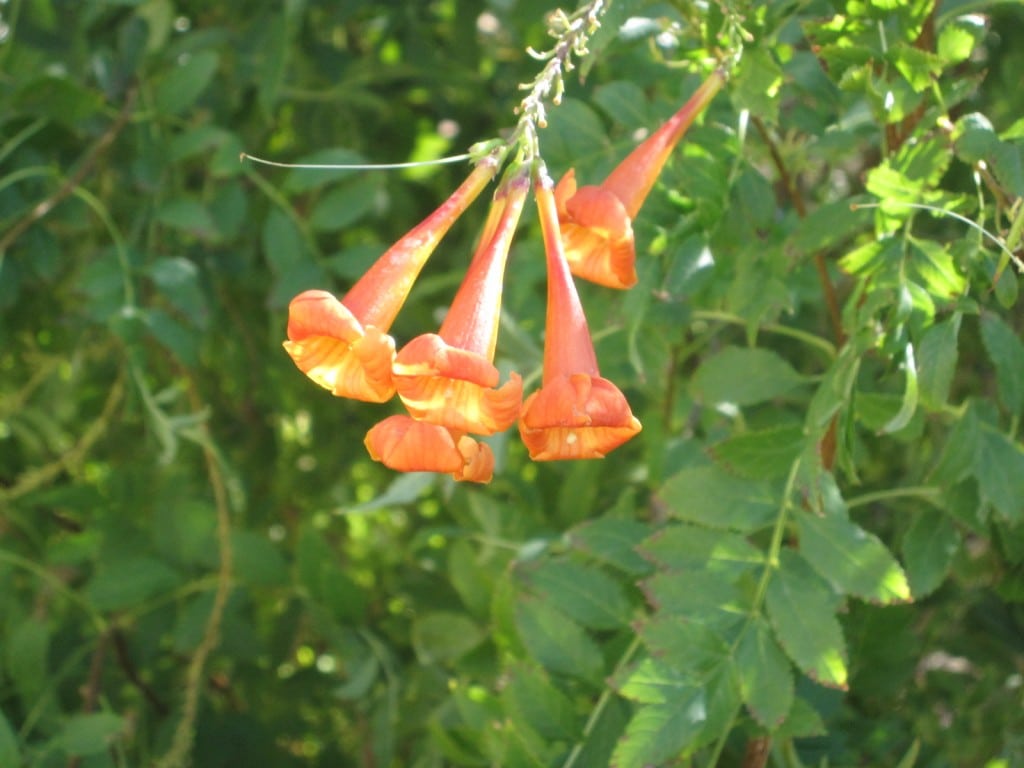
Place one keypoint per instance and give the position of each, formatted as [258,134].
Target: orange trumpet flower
[576,414]
[343,345]
[597,221]
[407,445]
[449,378]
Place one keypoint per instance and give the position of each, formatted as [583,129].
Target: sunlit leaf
[805,623]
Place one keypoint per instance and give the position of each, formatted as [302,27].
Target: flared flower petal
[404,444]
[336,351]
[343,345]
[576,417]
[457,388]
[449,378]
[597,233]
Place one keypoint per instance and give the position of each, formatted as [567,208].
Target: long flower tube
[576,414]
[597,221]
[343,345]
[449,378]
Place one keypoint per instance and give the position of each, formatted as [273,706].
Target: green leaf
[762,454]
[929,546]
[624,102]
[937,354]
[556,641]
[283,244]
[614,542]
[854,561]
[974,138]
[933,263]
[443,636]
[765,675]
[691,647]
[185,82]
[583,593]
[189,215]
[804,622]
[908,404]
[743,376]
[178,281]
[25,655]
[10,750]
[690,546]
[712,497]
[529,697]
[688,592]
[959,37]
[756,84]
[658,732]
[1006,352]
[828,225]
[344,205]
[124,583]
[999,467]
[90,734]
[576,138]
[257,561]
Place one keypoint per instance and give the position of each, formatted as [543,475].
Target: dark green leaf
[658,732]
[710,496]
[443,636]
[766,678]
[187,79]
[804,622]
[10,750]
[125,583]
[584,593]
[999,467]
[344,205]
[762,454]
[743,376]
[690,546]
[929,546]
[90,734]
[1006,351]
[530,697]
[937,355]
[614,542]
[556,641]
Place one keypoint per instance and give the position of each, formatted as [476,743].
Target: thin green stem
[602,702]
[927,492]
[771,563]
[57,585]
[810,339]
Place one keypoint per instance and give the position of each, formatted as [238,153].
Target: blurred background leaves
[201,564]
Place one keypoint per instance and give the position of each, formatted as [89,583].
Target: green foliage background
[813,553]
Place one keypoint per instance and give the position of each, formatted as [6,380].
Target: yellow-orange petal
[576,417]
[407,445]
[597,235]
[455,388]
[329,345]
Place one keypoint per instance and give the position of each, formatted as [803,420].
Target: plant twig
[37,477]
[793,192]
[178,755]
[46,205]
[124,660]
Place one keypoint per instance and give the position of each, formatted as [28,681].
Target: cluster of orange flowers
[447,380]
